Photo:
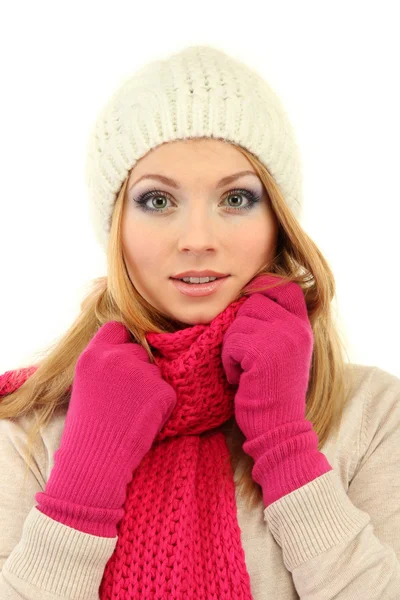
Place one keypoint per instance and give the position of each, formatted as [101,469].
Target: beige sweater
[337,537]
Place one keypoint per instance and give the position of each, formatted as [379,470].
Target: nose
[197,231]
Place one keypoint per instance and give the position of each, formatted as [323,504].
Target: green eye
[154,193]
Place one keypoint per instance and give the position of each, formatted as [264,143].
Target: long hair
[114,298]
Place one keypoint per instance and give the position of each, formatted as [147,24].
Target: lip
[205,273]
[201,289]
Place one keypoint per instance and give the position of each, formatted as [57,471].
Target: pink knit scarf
[179,536]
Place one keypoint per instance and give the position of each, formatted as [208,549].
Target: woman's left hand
[267,352]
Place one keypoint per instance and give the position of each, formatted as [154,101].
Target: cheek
[142,252]
[254,244]
[134,247]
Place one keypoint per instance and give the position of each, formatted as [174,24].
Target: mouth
[199,289]
[178,279]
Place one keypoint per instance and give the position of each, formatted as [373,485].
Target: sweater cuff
[313,519]
[58,560]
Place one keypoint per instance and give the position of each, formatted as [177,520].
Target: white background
[334,66]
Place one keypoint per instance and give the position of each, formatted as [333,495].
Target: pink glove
[267,350]
[118,405]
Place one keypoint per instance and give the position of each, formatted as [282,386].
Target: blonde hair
[114,297]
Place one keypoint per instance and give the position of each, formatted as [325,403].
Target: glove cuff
[286,459]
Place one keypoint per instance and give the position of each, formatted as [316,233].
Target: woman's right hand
[119,403]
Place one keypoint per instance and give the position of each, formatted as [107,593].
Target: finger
[112,332]
[289,296]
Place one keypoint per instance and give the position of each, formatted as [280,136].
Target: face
[200,224]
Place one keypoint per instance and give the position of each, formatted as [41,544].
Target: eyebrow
[174,184]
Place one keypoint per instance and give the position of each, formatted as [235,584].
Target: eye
[143,198]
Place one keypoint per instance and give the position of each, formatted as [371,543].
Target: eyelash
[145,196]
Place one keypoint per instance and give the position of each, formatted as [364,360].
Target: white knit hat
[197,92]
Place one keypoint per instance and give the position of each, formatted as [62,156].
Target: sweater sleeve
[40,558]
[340,545]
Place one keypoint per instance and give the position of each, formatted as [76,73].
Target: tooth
[199,279]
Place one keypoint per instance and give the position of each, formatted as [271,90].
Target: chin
[200,316]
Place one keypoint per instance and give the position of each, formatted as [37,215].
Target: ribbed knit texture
[198,92]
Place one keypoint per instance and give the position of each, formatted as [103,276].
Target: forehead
[192,157]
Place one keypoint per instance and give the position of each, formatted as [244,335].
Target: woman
[200,439]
